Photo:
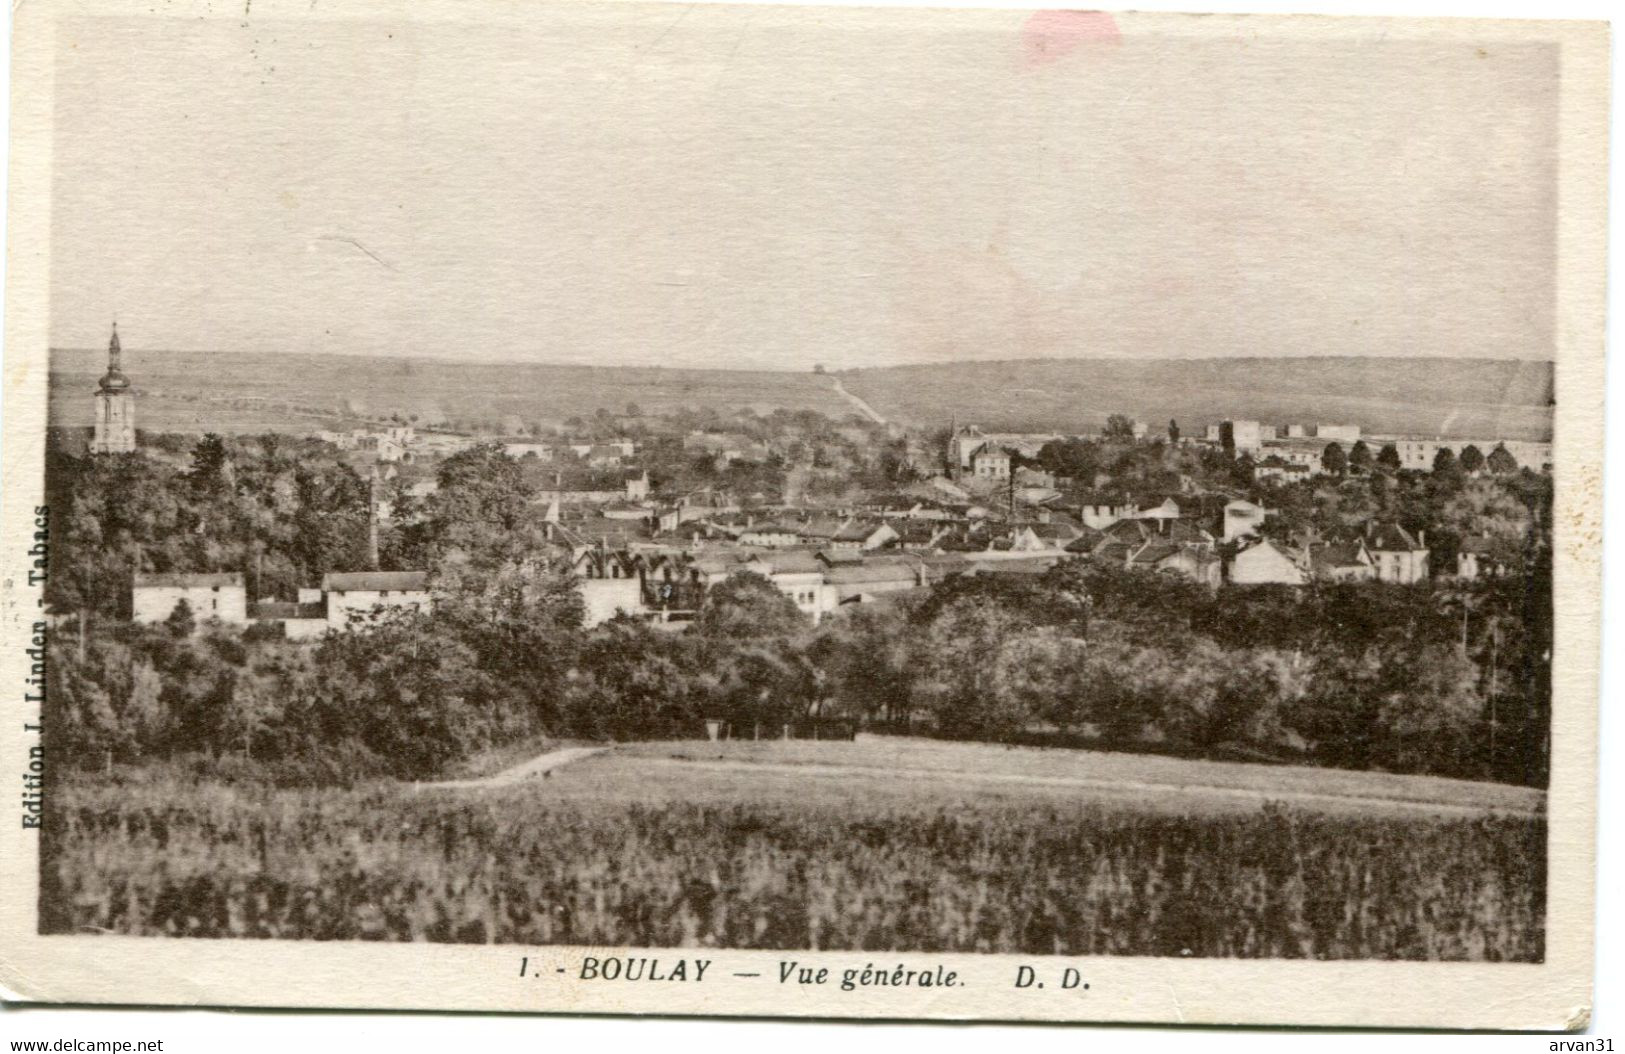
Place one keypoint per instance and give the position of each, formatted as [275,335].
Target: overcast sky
[770,188]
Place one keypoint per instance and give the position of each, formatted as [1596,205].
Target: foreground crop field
[681,854]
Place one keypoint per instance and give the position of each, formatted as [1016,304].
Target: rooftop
[1391,537]
[206,580]
[379,581]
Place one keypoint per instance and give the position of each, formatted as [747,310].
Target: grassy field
[198,391]
[811,845]
[1451,397]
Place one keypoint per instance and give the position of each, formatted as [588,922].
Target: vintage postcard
[759,510]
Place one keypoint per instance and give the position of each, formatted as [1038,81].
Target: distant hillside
[229,392]
[1447,397]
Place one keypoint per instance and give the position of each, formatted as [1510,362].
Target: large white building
[991,462]
[154,597]
[355,597]
[604,598]
[1419,453]
[1244,437]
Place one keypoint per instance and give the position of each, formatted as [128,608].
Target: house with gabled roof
[1186,532]
[819,529]
[359,596]
[991,462]
[771,535]
[1115,551]
[1400,557]
[1045,536]
[1341,561]
[1198,563]
[1135,532]
[917,534]
[1266,562]
[863,535]
[1087,541]
[600,561]
[1157,507]
[1100,510]
[966,539]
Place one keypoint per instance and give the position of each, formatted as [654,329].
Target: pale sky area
[772,188]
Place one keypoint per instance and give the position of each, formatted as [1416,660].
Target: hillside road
[862,407]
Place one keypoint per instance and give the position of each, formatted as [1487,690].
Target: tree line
[1363,676]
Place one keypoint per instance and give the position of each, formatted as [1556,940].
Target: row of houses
[1415,453]
[404,444]
[667,586]
[1384,553]
[1241,556]
[629,485]
[1293,452]
[343,601]
[602,453]
[1249,437]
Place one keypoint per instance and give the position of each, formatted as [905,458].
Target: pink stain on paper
[1049,36]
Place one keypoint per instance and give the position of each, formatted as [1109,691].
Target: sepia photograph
[808,500]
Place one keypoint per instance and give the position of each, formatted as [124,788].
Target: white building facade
[357,597]
[154,597]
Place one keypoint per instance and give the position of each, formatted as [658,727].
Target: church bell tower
[115,407]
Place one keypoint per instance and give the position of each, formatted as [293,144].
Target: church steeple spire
[114,380]
[115,405]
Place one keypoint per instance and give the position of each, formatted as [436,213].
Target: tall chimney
[372,521]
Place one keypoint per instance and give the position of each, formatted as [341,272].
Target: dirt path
[1374,803]
[862,407]
[525,770]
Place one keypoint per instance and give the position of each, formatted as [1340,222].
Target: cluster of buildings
[1285,453]
[870,552]
[643,558]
